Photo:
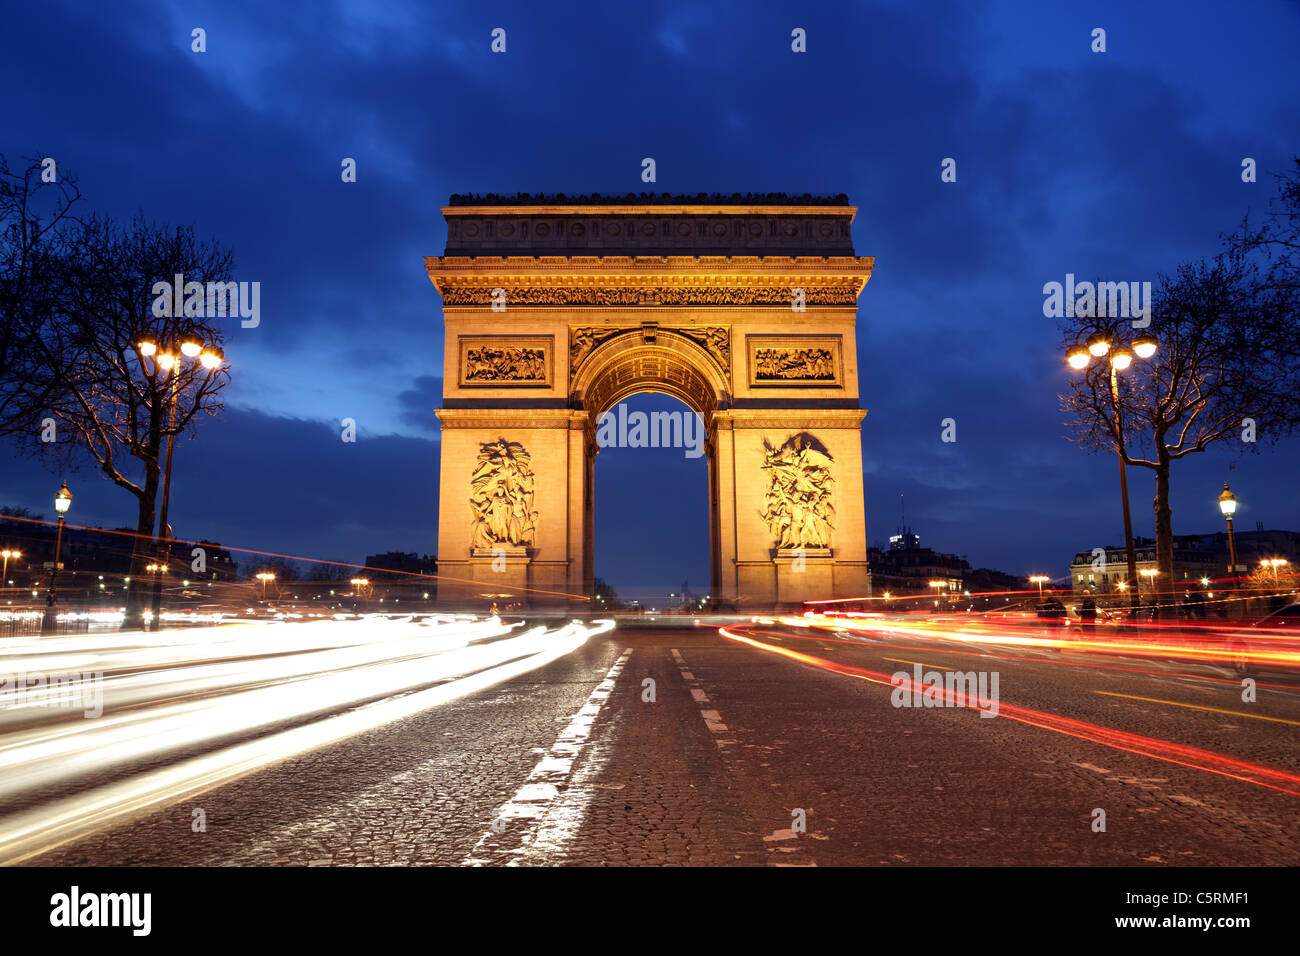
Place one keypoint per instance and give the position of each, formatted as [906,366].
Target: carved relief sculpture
[798,508]
[505,365]
[827,294]
[787,364]
[505,361]
[501,496]
[716,341]
[585,341]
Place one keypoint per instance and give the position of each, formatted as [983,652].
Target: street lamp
[1040,580]
[170,362]
[1228,505]
[938,586]
[62,502]
[1274,563]
[265,576]
[7,554]
[1150,575]
[1079,357]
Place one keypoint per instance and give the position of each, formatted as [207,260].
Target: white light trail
[282,685]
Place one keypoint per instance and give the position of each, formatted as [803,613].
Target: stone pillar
[724,476]
[537,571]
[578,474]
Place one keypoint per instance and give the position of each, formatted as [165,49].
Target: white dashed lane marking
[777,855]
[712,719]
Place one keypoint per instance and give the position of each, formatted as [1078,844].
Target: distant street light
[265,576]
[1040,580]
[62,502]
[1150,575]
[7,554]
[1228,505]
[169,362]
[1080,357]
[1274,563]
[938,586]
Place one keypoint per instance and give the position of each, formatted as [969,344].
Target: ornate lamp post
[1040,580]
[1080,357]
[62,502]
[264,577]
[1228,505]
[170,362]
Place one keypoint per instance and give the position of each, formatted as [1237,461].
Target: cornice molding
[509,418]
[703,209]
[559,267]
[732,419]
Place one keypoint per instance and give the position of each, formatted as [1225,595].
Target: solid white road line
[522,823]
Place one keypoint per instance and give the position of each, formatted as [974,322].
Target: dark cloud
[1122,164]
[255,481]
[419,401]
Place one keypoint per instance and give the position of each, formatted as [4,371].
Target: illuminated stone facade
[744,309]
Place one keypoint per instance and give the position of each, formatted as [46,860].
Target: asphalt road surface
[682,746]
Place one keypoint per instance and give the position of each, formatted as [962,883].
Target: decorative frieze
[793,360]
[506,360]
[695,294]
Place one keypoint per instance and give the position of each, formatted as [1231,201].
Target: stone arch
[689,297]
[671,363]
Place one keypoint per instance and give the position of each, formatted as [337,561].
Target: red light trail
[1168,751]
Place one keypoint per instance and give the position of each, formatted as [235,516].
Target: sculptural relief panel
[501,497]
[504,361]
[798,506]
[833,293]
[793,361]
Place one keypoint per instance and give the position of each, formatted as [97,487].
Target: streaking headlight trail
[240,697]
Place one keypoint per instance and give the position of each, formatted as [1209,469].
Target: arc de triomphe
[744,309]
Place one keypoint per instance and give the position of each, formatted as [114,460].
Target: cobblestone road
[681,747]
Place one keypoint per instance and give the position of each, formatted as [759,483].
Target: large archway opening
[651,514]
[652,509]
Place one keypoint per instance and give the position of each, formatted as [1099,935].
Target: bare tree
[83,366]
[326,571]
[1225,369]
[38,228]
